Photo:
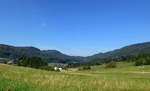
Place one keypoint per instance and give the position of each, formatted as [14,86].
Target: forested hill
[7,51]
[141,48]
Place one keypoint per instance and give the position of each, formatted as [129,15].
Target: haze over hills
[7,51]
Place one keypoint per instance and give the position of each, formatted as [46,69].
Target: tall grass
[13,78]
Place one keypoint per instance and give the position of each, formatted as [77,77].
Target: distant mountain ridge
[140,48]
[8,51]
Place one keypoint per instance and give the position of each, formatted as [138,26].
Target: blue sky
[75,27]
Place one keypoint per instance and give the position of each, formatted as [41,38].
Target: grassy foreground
[13,78]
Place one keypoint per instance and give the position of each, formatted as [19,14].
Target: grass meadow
[14,78]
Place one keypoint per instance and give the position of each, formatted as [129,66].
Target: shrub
[111,64]
[140,62]
[85,68]
[48,68]
[22,61]
[5,62]
[147,61]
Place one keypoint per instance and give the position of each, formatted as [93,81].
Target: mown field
[122,78]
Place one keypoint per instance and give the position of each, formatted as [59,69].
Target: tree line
[34,62]
[138,59]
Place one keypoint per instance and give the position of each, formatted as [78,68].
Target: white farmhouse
[58,69]
[55,68]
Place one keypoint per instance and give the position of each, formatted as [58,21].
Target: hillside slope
[140,48]
[14,78]
[7,51]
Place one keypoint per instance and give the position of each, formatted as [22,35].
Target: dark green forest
[133,52]
[11,52]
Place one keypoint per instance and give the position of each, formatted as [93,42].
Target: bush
[85,68]
[147,61]
[48,68]
[111,64]
[5,62]
[140,62]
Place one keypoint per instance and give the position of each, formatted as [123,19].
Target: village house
[58,69]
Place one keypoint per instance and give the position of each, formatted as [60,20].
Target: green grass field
[122,78]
